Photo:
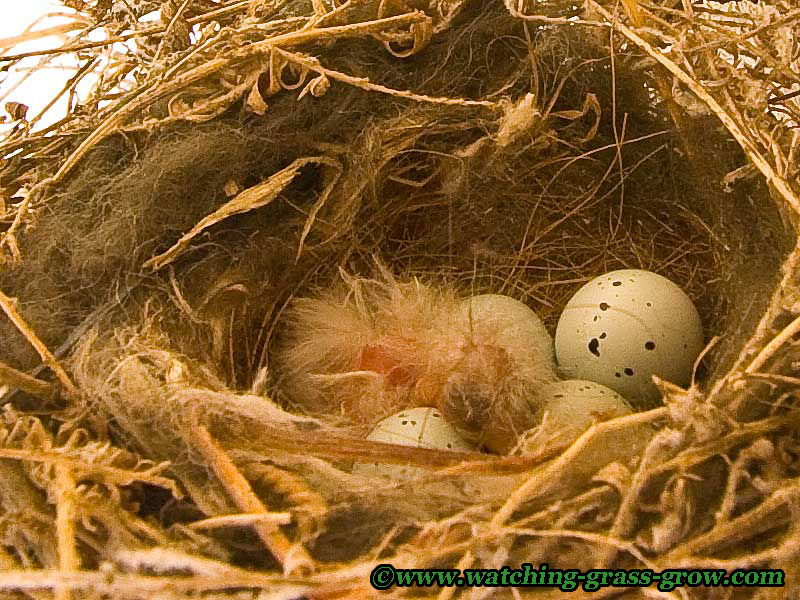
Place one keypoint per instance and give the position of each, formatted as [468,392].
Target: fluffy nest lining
[242,154]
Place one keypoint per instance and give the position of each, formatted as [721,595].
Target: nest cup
[518,158]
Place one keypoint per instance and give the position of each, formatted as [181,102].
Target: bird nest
[234,156]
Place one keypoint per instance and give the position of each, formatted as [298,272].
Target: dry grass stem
[292,557]
[8,306]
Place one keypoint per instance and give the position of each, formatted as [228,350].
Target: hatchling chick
[369,347]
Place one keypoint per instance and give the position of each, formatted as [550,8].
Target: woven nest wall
[154,240]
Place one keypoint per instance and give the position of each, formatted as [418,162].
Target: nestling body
[371,347]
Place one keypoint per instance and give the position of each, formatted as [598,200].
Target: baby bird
[371,347]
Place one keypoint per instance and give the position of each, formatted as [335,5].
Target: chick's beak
[468,405]
[483,414]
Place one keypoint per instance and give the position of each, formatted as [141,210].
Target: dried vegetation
[237,154]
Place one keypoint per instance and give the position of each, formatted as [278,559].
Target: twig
[293,558]
[71,83]
[537,483]
[24,382]
[146,32]
[789,331]
[309,506]
[47,358]
[700,453]
[789,270]
[127,585]
[10,42]
[626,513]
[545,20]
[115,474]
[65,526]
[772,512]
[242,520]
[365,84]
[178,16]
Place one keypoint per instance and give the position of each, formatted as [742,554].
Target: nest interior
[501,155]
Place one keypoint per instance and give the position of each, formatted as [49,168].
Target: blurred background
[24,28]
[34,26]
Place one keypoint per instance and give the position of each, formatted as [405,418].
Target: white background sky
[40,88]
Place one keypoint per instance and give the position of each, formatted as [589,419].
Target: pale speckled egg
[417,427]
[623,327]
[573,405]
[520,326]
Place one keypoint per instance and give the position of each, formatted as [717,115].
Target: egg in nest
[623,327]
